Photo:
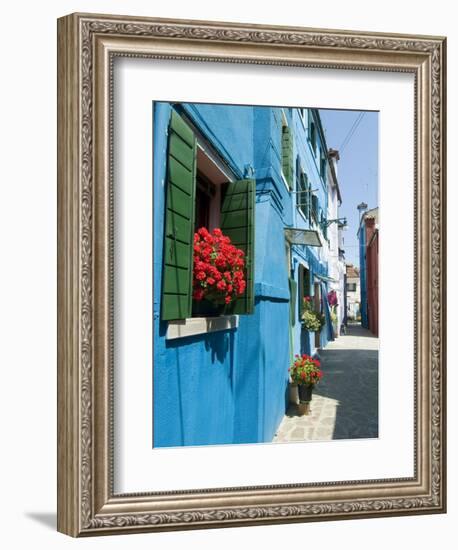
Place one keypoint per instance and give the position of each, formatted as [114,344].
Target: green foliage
[333,315]
[311,321]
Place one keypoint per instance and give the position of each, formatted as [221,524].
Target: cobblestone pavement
[345,403]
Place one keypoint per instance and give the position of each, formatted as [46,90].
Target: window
[323,167]
[351,287]
[304,286]
[208,200]
[198,193]
[312,132]
[303,114]
[303,193]
[287,154]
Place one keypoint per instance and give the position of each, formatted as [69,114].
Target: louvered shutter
[299,194]
[179,221]
[292,300]
[237,222]
[315,208]
[287,155]
[302,293]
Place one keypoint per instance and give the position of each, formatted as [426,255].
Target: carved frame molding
[87,45]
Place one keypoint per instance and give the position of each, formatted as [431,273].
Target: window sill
[200,325]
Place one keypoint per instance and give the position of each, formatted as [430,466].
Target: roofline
[365,216]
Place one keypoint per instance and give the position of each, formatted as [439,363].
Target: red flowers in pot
[218,274]
[305,370]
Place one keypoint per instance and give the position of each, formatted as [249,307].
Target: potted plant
[312,320]
[306,373]
[218,274]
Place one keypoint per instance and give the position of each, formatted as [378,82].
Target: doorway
[317,307]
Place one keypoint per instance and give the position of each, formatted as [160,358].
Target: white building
[353,291]
[336,261]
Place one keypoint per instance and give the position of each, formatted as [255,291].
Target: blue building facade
[225,380]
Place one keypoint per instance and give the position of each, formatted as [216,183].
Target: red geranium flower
[218,267]
[221,285]
[305,370]
[198,294]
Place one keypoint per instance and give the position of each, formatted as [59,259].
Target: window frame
[303,274]
[302,189]
[312,132]
[284,123]
[303,115]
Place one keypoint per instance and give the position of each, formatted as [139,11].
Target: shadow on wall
[224,387]
[305,342]
[351,378]
[191,377]
[217,343]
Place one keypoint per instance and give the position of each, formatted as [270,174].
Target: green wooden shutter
[315,208]
[299,195]
[292,300]
[179,221]
[237,222]
[287,155]
[301,290]
[323,167]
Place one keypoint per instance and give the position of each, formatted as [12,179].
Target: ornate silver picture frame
[87,47]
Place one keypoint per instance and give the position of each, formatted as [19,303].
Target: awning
[326,279]
[302,236]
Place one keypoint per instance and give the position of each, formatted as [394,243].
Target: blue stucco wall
[309,257]
[231,386]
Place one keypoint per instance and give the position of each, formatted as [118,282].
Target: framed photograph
[251,290]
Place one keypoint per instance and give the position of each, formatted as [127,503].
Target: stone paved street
[345,403]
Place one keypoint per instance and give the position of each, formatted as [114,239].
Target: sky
[357,168]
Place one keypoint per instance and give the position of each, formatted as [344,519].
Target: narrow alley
[345,402]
